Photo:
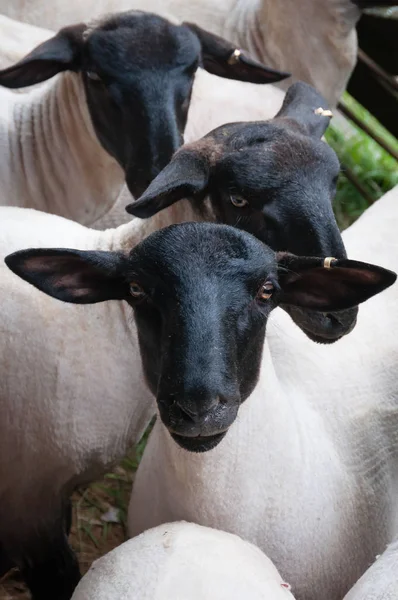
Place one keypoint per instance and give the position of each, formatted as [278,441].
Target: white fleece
[183,561]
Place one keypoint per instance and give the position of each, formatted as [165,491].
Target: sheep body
[75,412]
[79,397]
[308,472]
[176,561]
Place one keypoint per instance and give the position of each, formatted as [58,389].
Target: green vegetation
[375,168]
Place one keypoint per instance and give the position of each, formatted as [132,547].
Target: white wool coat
[181,561]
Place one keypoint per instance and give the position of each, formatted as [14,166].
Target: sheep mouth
[200,443]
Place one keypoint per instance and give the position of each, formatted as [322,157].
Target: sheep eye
[136,290]
[238,201]
[266,291]
[93,76]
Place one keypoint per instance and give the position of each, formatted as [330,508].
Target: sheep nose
[196,411]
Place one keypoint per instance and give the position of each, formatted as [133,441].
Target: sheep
[117,111]
[380,582]
[308,472]
[191,286]
[80,391]
[315,40]
[177,561]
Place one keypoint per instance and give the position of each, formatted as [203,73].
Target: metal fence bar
[390,80]
[385,145]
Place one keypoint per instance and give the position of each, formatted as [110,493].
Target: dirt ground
[93,534]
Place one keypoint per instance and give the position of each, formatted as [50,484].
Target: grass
[91,535]
[374,167]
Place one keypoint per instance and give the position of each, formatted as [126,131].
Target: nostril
[187,412]
[198,410]
[223,400]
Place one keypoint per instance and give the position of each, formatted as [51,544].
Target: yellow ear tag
[323,112]
[327,263]
[235,56]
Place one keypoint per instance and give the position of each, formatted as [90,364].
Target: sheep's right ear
[222,58]
[185,176]
[330,284]
[59,53]
[81,277]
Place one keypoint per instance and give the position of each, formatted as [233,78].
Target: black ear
[77,276]
[225,60]
[60,53]
[339,285]
[307,107]
[185,176]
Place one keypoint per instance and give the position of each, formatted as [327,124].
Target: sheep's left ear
[59,53]
[222,58]
[81,277]
[329,285]
[307,107]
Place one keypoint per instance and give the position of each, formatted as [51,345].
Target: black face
[279,186]
[138,71]
[202,326]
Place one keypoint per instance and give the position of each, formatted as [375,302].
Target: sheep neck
[319,48]
[56,164]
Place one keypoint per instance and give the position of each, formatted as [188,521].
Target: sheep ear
[59,53]
[329,285]
[307,107]
[81,277]
[185,176]
[225,60]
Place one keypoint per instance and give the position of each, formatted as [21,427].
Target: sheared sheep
[201,294]
[308,472]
